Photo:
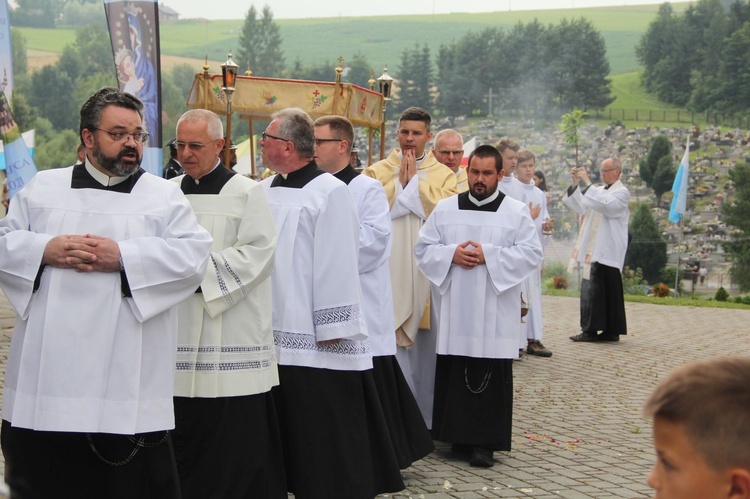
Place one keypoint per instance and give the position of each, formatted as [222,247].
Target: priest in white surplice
[95,258]
[411,438]
[226,436]
[600,250]
[477,248]
[336,442]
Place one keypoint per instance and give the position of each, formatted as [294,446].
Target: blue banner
[679,188]
[19,166]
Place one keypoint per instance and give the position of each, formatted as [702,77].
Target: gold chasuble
[411,290]
[462,180]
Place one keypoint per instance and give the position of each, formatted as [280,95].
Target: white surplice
[375,240]
[316,289]
[225,346]
[84,358]
[479,309]
[534,326]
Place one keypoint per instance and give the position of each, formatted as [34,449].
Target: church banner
[134,33]
[19,166]
[261,97]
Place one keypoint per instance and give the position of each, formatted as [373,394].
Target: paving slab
[578,430]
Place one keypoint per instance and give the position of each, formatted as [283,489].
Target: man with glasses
[411,439]
[449,150]
[414,182]
[600,250]
[95,259]
[336,442]
[226,437]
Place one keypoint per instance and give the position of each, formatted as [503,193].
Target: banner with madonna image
[134,33]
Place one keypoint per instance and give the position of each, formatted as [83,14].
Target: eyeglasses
[451,153]
[608,170]
[266,135]
[193,146]
[138,137]
[319,142]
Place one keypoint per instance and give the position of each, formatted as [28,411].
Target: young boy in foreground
[701,417]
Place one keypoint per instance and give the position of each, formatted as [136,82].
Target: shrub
[632,282]
[721,295]
[560,282]
[661,290]
[554,269]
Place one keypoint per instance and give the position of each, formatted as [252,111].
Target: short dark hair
[341,127]
[92,109]
[712,400]
[416,114]
[487,151]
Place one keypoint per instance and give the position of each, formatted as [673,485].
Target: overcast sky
[286,9]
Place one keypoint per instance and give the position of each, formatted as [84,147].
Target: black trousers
[602,301]
[47,464]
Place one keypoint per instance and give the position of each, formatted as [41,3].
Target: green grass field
[380,39]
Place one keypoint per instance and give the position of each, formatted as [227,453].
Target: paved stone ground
[578,430]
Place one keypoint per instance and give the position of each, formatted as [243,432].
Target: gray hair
[213,122]
[92,109]
[444,133]
[296,126]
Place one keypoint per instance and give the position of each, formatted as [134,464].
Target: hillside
[380,39]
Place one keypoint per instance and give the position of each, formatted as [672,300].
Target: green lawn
[381,39]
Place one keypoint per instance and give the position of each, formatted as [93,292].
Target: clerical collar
[486,200]
[418,161]
[298,178]
[346,174]
[102,178]
[198,180]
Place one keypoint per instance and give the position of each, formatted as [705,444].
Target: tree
[657,169]
[647,249]
[359,71]
[51,93]
[37,13]
[20,59]
[737,214]
[578,66]
[260,44]
[415,79]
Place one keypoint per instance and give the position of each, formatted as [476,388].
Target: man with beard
[227,435]
[95,258]
[476,249]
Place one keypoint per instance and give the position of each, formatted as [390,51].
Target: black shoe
[535,347]
[585,337]
[482,458]
[608,337]
[462,450]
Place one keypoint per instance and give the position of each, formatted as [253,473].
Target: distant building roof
[169,11]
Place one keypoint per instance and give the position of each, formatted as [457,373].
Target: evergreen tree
[737,214]
[260,44]
[359,71]
[414,79]
[647,249]
[657,169]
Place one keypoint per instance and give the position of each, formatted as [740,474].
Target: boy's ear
[740,483]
